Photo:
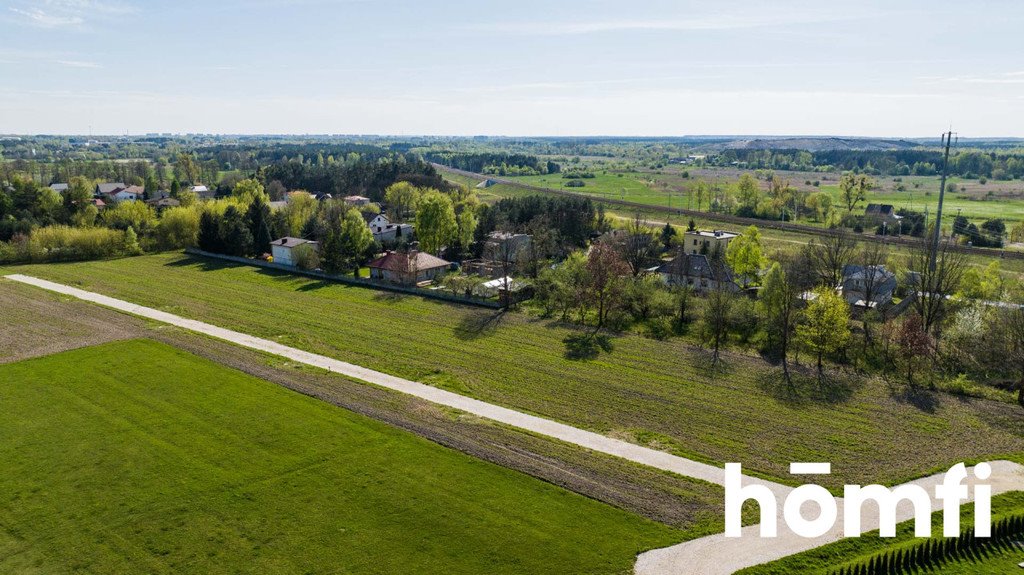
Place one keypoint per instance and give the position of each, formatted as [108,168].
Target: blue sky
[512,68]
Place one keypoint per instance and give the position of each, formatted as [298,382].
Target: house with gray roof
[868,286]
[698,271]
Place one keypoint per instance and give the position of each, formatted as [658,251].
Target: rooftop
[712,234]
[408,261]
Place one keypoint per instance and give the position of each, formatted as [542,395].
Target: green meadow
[136,457]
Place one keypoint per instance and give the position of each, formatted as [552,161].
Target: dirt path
[567,433]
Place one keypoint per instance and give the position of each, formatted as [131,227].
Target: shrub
[63,243]
[660,328]
[305,257]
[178,228]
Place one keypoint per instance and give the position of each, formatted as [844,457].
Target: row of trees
[950,332]
[920,162]
[497,163]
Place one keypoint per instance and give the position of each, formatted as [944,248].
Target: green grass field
[135,457]
[857,550]
[774,240]
[659,393]
[666,188]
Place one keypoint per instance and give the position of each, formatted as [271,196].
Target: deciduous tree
[825,328]
[436,226]
[744,255]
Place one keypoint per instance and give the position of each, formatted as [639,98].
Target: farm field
[853,551]
[668,187]
[46,323]
[134,456]
[774,240]
[651,392]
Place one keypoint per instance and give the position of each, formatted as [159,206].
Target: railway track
[731,219]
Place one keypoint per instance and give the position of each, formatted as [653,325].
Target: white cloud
[77,64]
[69,13]
[43,19]
[710,22]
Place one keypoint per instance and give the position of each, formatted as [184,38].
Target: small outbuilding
[283,249]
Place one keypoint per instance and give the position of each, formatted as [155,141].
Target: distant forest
[497,163]
[968,164]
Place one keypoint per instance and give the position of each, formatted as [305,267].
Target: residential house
[59,188]
[283,249]
[868,287]
[698,271]
[105,188]
[500,246]
[385,231]
[356,201]
[878,214]
[112,192]
[163,203]
[704,242]
[100,204]
[407,268]
[202,192]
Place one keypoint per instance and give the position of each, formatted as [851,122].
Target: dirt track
[37,323]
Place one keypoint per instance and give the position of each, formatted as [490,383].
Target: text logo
[951,491]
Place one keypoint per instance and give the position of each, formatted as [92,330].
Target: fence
[347,280]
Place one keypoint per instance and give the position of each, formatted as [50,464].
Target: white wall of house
[123,196]
[282,255]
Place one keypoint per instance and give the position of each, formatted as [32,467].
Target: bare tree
[604,270]
[638,247]
[1011,328]
[505,250]
[830,254]
[717,318]
[871,258]
[934,286]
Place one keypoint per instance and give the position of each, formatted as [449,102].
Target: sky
[523,68]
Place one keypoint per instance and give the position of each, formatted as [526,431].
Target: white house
[202,192]
[113,193]
[703,242]
[282,249]
[385,231]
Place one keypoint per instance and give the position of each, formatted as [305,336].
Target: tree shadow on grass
[806,387]
[389,297]
[478,324]
[705,363]
[315,285]
[205,264]
[586,346]
[922,398]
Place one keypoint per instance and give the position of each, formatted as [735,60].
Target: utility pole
[948,137]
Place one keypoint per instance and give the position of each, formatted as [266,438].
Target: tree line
[497,163]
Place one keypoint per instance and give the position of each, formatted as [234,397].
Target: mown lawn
[857,550]
[135,457]
[659,393]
